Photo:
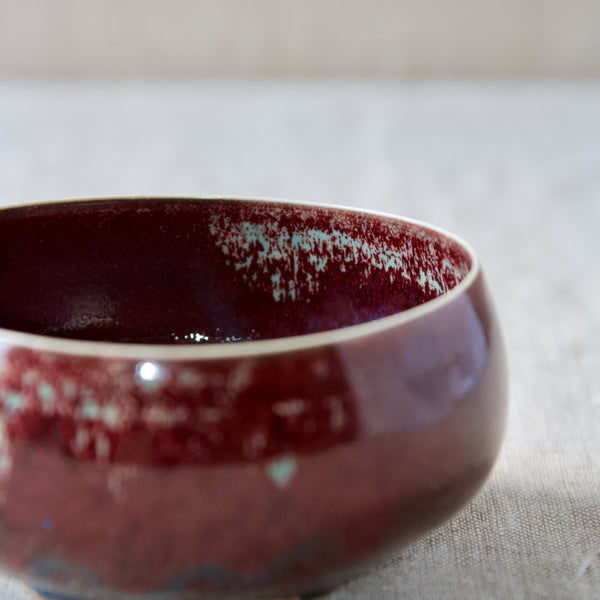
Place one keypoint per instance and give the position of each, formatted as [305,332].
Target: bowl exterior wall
[246,476]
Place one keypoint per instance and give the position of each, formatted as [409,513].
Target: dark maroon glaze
[151,271]
[250,469]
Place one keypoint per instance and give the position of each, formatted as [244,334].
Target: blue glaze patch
[234,580]
[53,595]
[51,567]
[46,392]
[282,470]
[47,524]
[12,401]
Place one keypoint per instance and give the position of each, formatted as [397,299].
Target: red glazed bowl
[234,398]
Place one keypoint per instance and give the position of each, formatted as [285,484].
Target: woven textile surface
[512,167]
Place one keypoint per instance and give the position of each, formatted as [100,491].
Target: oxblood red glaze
[153,272]
[253,469]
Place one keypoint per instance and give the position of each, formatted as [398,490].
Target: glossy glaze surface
[150,271]
[261,468]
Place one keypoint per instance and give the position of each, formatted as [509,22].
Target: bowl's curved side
[271,474]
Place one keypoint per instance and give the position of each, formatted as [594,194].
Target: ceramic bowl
[234,398]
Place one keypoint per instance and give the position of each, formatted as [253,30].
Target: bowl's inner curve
[182,271]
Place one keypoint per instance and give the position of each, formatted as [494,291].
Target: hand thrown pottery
[213,398]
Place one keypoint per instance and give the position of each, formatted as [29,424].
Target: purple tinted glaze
[239,472]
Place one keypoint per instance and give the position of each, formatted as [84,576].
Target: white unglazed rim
[174,352]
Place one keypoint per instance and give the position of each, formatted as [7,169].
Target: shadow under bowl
[234,398]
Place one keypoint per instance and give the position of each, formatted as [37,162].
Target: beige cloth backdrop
[514,168]
[293,37]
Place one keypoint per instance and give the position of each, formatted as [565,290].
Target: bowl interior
[201,271]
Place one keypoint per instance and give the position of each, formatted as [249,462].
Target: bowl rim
[208,351]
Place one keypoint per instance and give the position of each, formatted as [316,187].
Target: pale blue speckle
[321,236]
[428,278]
[436,286]
[299,240]
[278,292]
[245,264]
[319,262]
[393,262]
[46,392]
[282,470]
[264,242]
[12,401]
[90,410]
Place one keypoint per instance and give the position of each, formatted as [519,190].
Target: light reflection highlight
[148,371]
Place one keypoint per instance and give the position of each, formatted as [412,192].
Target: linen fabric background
[153,38]
[513,167]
